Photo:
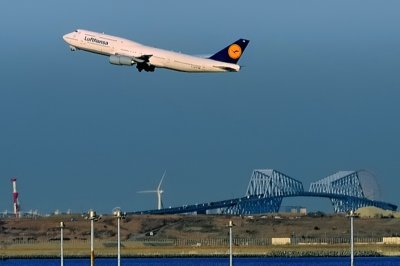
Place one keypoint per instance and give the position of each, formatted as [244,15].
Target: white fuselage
[108,45]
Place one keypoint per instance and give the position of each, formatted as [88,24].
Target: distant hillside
[145,227]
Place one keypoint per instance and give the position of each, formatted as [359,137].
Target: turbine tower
[159,191]
[15,197]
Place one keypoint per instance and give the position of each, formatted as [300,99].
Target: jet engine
[121,60]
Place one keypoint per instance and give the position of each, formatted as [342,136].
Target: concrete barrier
[281,241]
[391,240]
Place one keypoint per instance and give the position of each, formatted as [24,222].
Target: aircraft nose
[65,37]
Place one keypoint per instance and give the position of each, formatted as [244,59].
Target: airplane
[128,53]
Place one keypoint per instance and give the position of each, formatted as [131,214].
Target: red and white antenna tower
[15,197]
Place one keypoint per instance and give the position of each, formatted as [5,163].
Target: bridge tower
[265,192]
[358,189]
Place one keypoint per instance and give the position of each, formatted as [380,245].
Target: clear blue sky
[319,93]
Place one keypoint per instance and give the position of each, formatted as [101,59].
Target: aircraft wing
[143,63]
[142,59]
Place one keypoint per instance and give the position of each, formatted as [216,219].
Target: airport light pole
[230,225]
[119,215]
[92,218]
[352,215]
[352,237]
[62,225]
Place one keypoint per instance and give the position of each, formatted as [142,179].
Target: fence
[335,240]
[209,242]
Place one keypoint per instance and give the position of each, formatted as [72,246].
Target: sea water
[381,261]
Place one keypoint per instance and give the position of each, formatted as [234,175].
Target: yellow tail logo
[234,51]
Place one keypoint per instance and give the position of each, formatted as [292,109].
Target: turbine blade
[162,178]
[147,191]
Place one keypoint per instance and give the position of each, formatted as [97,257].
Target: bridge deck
[203,207]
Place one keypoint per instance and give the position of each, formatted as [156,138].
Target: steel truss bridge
[347,190]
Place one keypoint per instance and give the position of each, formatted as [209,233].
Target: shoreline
[24,252]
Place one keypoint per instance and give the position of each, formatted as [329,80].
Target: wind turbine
[159,191]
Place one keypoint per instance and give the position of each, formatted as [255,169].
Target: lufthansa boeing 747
[128,53]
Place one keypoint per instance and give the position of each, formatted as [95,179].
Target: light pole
[230,225]
[352,215]
[119,215]
[92,217]
[62,225]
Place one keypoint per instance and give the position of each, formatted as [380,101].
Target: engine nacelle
[121,60]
